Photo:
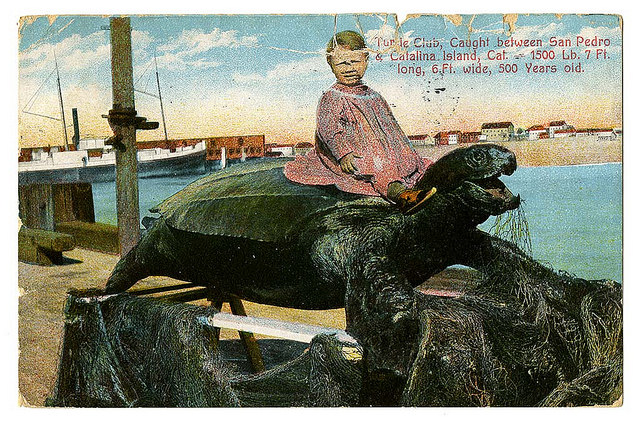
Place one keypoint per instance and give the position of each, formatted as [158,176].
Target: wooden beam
[274,328]
[93,236]
[127,199]
[42,247]
[269,327]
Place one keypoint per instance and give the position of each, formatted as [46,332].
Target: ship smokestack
[76,128]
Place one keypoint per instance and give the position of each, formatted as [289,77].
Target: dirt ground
[41,320]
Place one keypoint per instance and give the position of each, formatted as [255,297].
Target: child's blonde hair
[348,39]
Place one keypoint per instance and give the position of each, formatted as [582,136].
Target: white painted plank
[274,328]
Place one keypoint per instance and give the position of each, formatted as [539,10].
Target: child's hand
[348,163]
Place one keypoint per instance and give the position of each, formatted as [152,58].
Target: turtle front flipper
[381,315]
[153,255]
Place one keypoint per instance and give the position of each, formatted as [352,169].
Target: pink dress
[356,119]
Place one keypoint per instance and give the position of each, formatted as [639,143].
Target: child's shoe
[411,201]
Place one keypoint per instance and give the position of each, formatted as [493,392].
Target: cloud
[140,39]
[72,53]
[193,42]
[308,67]
[181,61]
[189,49]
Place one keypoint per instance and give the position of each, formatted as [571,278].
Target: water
[575,217]
[574,213]
[151,191]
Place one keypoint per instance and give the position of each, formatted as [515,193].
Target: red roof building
[470,137]
[441,138]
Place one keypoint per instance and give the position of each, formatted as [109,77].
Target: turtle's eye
[477,158]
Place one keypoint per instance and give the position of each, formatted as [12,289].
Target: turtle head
[471,176]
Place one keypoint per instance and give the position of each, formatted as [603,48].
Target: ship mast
[164,124]
[64,123]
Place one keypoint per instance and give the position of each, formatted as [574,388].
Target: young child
[360,147]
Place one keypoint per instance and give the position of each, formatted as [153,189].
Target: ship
[94,160]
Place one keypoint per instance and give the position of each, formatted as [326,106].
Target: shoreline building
[302,148]
[557,125]
[497,131]
[564,133]
[446,138]
[421,140]
[236,147]
[536,132]
[600,133]
[279,149]
[470,137]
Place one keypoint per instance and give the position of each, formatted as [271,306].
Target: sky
[263,74]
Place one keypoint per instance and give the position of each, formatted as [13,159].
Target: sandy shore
[556,152]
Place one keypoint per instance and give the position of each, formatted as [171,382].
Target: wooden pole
[248,340]
[164,123]
[126,161]
[76,128]
[64,122]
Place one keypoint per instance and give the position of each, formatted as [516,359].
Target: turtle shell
[253,200]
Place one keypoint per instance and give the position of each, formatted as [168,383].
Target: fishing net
[123,351]
[126,351]
[513,226]
[526,336]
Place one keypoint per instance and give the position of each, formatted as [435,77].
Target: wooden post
[126,162]
[36,206]
[45,205]
[248,340]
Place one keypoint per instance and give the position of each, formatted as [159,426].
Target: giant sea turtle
[528,335]
[250,232]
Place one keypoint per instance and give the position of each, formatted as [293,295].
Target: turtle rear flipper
[152,256]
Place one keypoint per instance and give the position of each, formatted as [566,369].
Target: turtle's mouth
[495,190]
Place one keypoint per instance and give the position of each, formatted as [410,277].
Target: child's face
[348,66]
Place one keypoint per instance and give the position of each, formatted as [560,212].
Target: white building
[534,132]
[453,137]
[283,149]
[557,125]
[421,140]
[564,133]
[605,134]
[302,148]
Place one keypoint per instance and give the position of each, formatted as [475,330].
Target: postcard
[320,210]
